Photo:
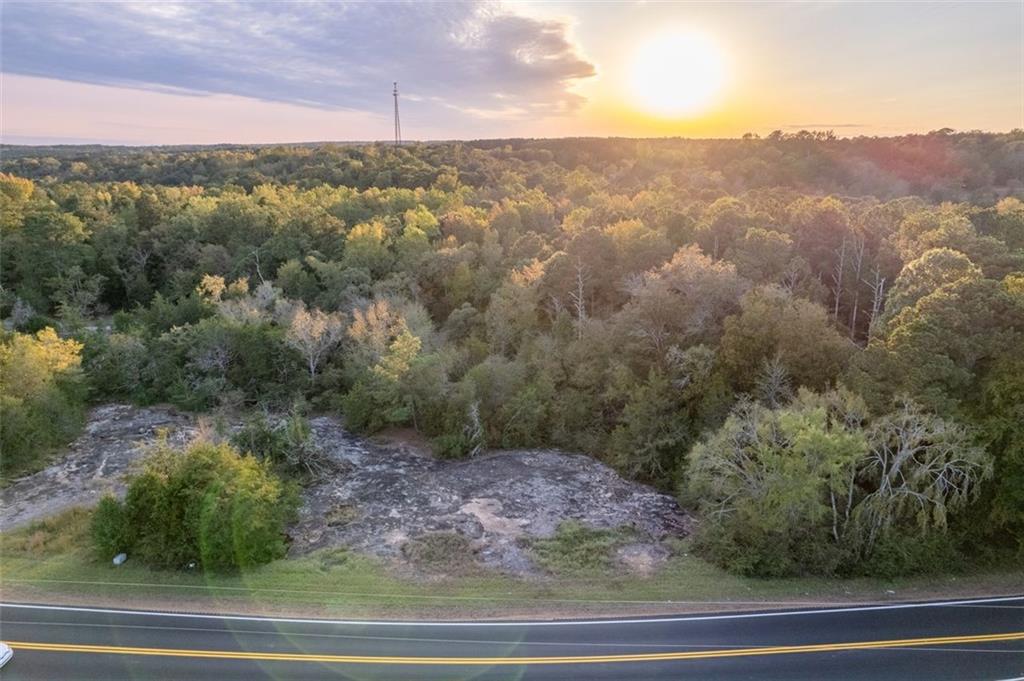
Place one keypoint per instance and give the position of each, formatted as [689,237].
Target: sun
[677,74]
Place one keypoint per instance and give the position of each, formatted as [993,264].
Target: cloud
[817,126]
[476,59]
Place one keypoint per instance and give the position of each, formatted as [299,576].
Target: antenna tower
[398,123]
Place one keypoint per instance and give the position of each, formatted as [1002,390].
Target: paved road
[968,639]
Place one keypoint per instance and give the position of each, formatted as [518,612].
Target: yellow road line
[515,661]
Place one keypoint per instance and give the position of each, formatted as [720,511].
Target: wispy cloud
[815,126]
[332,55]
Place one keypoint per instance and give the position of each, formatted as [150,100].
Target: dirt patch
[643,559]
[486,512]
[448,553]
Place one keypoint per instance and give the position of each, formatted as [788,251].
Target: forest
[815,343]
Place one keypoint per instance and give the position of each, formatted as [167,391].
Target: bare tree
[791,277]
[774,387]
[314,333]
[837,279]
[259,272]
[213,357]
[858,264]
[138,259]
[21,313]
[473,430]
[920,467]
[877,284]
[578,296]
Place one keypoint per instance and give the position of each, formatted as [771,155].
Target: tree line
[813,342]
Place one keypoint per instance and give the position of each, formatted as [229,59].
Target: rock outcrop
[387,494]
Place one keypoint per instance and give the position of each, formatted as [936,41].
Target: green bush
[37,323]
[895,556]
[744,543]
[203,364]
[116,365]
[207,504]
[451,446]
[110,533]
[361,413]
[577,548]
[284,442]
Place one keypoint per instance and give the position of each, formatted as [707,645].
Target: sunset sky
[178,73]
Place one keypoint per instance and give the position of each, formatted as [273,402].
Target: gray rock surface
[387,494]
[114,437]
[393,493]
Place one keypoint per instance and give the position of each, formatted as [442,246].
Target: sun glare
[677,74]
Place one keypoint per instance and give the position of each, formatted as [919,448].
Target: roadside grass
[53,562]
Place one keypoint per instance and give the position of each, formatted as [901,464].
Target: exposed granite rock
[114,437]
[388,495]
[393,493]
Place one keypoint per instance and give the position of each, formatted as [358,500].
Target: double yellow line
[516,661]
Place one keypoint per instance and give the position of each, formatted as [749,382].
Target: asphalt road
[967,639]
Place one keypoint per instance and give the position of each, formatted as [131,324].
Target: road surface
[966,639]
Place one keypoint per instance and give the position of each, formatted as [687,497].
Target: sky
[267,72]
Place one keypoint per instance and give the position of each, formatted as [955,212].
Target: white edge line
[541,623]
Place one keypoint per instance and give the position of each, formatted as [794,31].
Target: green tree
[651,436]
[773,325]
[683,302]
[208,505]
[379,398]
[919,470]
[935,268]
[47,247]
[512,315]
[815,487]
[764,483]
[42,397]
[763,256]
[366,247]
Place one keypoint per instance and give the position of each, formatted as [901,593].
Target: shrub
[361,414]
[207,504]
[203,364]
[577,548]
[894,556]
[450,446]
[285,443]
[110,533]
[116,365]
[464,436]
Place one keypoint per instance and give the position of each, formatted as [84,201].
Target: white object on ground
[5,654]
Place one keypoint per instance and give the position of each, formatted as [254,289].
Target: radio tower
[398,123]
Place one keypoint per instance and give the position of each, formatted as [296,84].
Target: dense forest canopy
[940,166]
[815,341]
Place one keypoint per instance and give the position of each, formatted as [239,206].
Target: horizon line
[413,142]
